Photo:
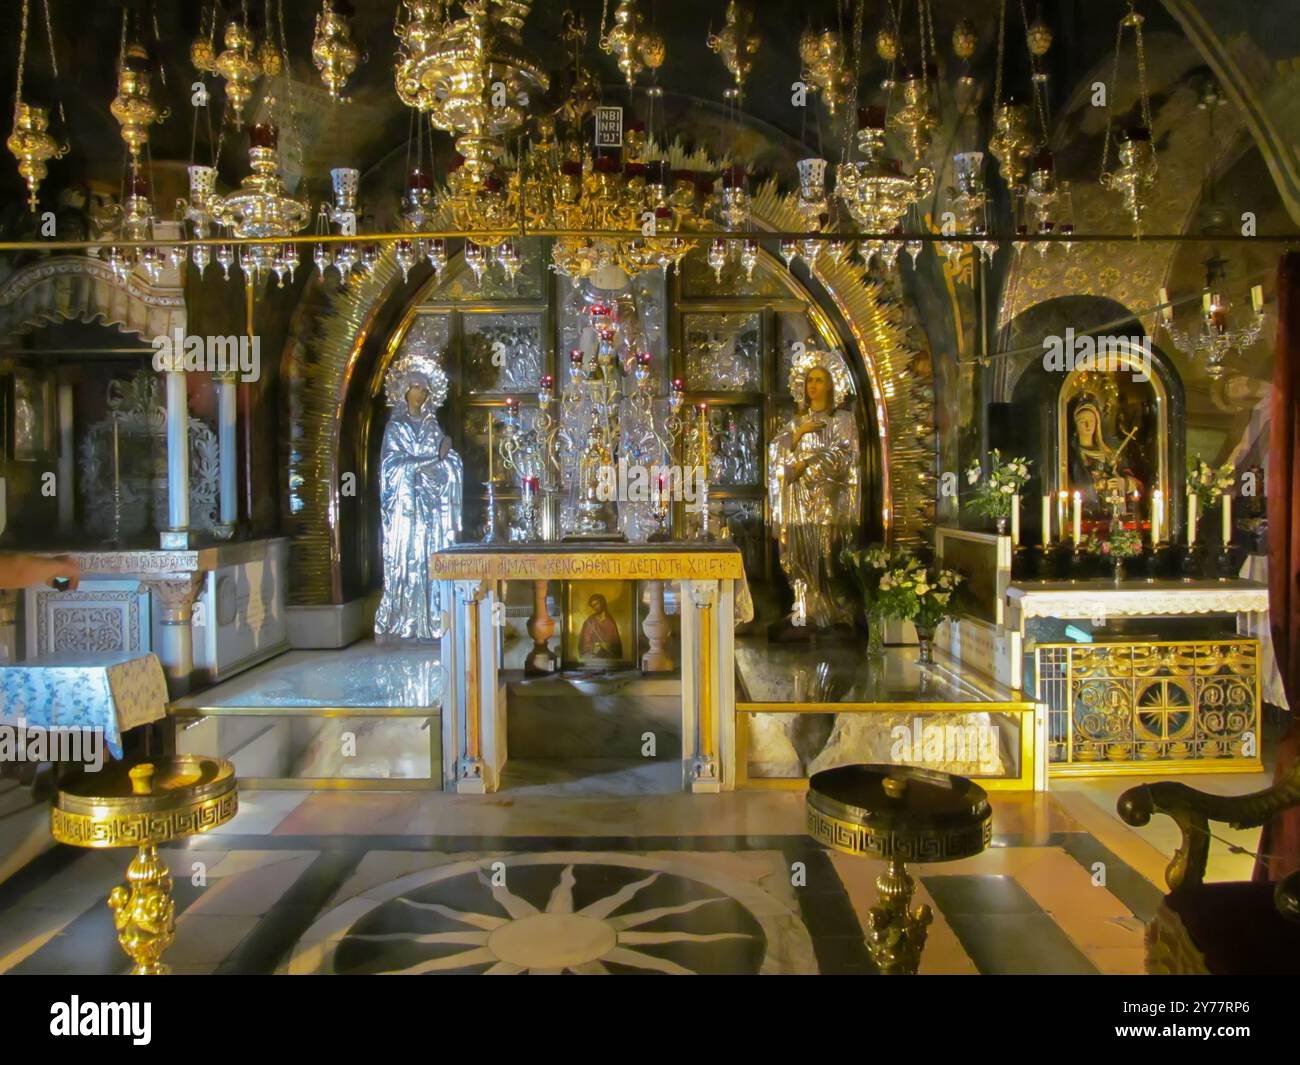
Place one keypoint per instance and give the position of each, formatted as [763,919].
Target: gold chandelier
[262,207]
[471,76]
[875,190]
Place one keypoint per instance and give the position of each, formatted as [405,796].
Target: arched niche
[344,338]
[1035,421]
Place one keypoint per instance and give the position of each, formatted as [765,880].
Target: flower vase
[1002,526]
[1117,568]
[925,644]
[875,632]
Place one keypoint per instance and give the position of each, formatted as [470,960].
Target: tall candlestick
[1015,519]
[1062,501]
[1157,515]
[704,440]
[1192,501]
[1078,518]
[1047,520]
[1227,519]
[491,464]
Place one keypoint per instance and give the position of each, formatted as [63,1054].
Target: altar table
[474,691]
[110,692]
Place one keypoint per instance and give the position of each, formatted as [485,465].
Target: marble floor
[566,875]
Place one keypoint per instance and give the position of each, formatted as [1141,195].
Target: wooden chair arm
[1193,811]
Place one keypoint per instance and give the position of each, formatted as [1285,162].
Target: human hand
[21,570]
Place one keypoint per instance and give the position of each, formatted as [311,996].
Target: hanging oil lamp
[737,42]
[238,66]
[134,107]
[333,51]
[1134,178]
[31,142]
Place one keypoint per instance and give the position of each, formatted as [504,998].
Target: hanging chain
[1110,97]
[1037,87]
[1002,41]
[851,112]
[1142,67]
[157,40]
[54,66]
[22,59]
[896,14]
[295,141]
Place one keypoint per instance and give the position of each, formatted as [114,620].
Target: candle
[1257,298]
[1062,501]
[1205,302]
[1078,518]
[491,467]
[1192,501]
[1227,519]
[1047,520]
[1015,519]
[1166,311]
[704,440]
[1157,515]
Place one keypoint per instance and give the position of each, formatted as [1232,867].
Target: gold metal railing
[1150,707]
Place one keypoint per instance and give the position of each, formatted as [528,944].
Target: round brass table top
[129,804]
[892,811]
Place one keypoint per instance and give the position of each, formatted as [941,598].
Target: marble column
[228,455]
[473,704]
[176,537]
[177,595]
[67,496]
[8,627]
[708,693]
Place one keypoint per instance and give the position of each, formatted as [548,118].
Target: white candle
[1078,518]
[1227,519]
[1166,312]
[1257,298]
[1157,508]
[1192,501]
[1047,520]
[1015,519]
[1062,501]
[1205,303]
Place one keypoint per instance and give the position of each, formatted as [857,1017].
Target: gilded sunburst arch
[339,330]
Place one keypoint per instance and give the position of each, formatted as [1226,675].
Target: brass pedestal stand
[142,806]
[899,814]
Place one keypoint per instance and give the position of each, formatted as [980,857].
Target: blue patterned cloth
[112,692]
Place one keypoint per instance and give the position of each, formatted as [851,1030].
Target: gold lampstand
[144,805]
[898,814]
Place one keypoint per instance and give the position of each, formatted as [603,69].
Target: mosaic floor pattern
[518,883]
